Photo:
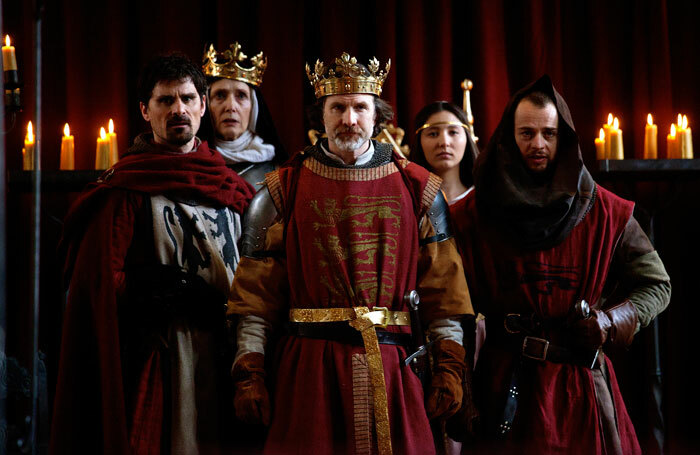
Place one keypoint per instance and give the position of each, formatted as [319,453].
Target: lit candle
[113,150]
[67,150]
[671,143]
[616,148]
[606,129]
[650,139]
[9,60]
[685,141]
[600,145]
[102,154]
[28,150]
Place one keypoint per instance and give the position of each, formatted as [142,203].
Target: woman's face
[230,106]
[443,144]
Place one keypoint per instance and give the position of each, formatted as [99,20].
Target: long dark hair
[470,152]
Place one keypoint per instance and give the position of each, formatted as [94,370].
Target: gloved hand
[251,400]
[445,395]
[464,425]
[614,326]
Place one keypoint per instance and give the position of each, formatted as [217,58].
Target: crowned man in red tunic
[541,241]
[332,248]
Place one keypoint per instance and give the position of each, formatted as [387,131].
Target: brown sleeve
[260,285]
[441,284]
[641,274]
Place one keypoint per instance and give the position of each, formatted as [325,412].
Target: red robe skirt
[557,410]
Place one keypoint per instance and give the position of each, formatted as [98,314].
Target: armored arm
[445,301]
[257,296]
[261,214]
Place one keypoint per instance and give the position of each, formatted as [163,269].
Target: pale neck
[451,183]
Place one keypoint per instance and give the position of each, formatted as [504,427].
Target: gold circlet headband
[428,125]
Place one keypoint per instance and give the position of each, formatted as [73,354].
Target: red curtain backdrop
[625,57]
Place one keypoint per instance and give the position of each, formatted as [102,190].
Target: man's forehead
[350,99]
[530,114]
[172,87]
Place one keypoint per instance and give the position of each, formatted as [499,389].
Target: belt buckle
[530,341]
[384,322]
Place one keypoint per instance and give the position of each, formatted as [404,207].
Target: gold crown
[348,77]
[226,64]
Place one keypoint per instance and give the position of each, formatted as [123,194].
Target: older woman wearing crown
[341,241]
[240,126]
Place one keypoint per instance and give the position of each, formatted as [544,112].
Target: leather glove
[614,326]
[464,425]
[251,400]
[445,395]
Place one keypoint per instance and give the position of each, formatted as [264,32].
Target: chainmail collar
[382,156]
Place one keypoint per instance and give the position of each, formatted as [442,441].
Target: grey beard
[350,145]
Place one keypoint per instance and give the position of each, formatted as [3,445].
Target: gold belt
[365,321]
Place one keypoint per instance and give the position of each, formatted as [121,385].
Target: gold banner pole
[467,86]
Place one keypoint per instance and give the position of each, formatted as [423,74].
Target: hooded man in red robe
[541,241]
[332,248]
[150,251]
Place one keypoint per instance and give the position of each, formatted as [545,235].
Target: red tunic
[557,411]
[352,240]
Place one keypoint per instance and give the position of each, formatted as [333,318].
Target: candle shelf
[649,169]
[59,181]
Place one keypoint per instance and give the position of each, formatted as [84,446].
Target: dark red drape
[626,57]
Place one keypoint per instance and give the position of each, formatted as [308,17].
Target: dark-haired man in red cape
[538,236]
[150,251]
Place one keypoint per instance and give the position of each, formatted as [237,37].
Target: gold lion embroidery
[360,210]
[368,252]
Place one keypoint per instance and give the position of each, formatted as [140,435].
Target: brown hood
[536,211]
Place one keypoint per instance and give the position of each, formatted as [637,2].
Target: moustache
[348,129]
[178,120]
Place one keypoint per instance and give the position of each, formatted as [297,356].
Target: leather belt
[365,321]
[343,333]
[513,336]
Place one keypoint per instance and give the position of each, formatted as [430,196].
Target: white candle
[67,150]
[650,139]
[102,153]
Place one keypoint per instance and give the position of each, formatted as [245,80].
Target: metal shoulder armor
[261,214]
[439,216]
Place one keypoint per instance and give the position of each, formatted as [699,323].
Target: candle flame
[7,40]
[650,120]
[30,132]
[103,135]
[680,120]
[111,126]
[66,130]
[601,135]
[616,124]
[685,122]
[673,130]
[610,119]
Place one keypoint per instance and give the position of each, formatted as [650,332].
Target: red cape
[90,409]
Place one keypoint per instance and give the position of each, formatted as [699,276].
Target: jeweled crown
[348,77]
[227,64]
